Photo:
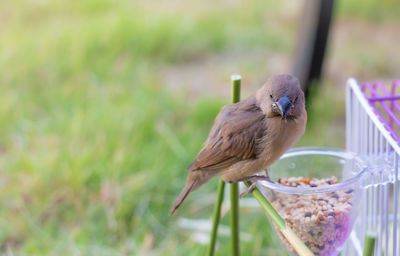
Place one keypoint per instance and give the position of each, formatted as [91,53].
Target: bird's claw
[259,177]
[254,184]
[249,190]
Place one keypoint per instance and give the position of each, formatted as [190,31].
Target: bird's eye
[271,96]
[296,98]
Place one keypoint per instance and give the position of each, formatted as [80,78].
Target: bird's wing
[233,137]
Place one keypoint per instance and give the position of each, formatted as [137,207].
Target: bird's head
[281,96]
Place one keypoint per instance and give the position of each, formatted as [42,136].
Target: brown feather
[249,136]
[194,180]
[233,136]
[182,196]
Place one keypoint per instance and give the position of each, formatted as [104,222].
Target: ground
[103,104]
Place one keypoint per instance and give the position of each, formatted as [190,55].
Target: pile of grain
[323,221]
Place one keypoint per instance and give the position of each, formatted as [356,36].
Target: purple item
[385,104]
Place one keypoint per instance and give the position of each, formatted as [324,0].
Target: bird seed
[323,221]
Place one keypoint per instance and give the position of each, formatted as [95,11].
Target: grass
[93,146]
[370,10]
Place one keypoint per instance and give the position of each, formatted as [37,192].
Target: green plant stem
[234,218]
[286,231]
[216,217]
[234,195]
[235,88]
[369,244]
[234,187]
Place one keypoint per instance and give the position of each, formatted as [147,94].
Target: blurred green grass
[93,146]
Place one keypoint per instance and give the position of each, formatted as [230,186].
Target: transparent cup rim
[302,151]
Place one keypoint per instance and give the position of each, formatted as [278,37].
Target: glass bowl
[317,191]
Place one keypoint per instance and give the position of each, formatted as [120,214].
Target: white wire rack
[368,134]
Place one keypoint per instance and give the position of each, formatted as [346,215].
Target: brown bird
[248,136]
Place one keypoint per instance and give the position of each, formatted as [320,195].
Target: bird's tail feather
[189,187]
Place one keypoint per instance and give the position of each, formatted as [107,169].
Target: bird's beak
[284,105]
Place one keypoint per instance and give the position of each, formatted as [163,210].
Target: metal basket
[372,131]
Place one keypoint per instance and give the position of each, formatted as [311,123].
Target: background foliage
[104,103]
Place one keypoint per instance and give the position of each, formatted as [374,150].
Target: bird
[249,136]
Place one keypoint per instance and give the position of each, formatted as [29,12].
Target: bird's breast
[282,135]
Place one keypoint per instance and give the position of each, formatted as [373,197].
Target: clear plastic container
[321,210]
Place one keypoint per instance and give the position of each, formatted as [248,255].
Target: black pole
[313,35]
